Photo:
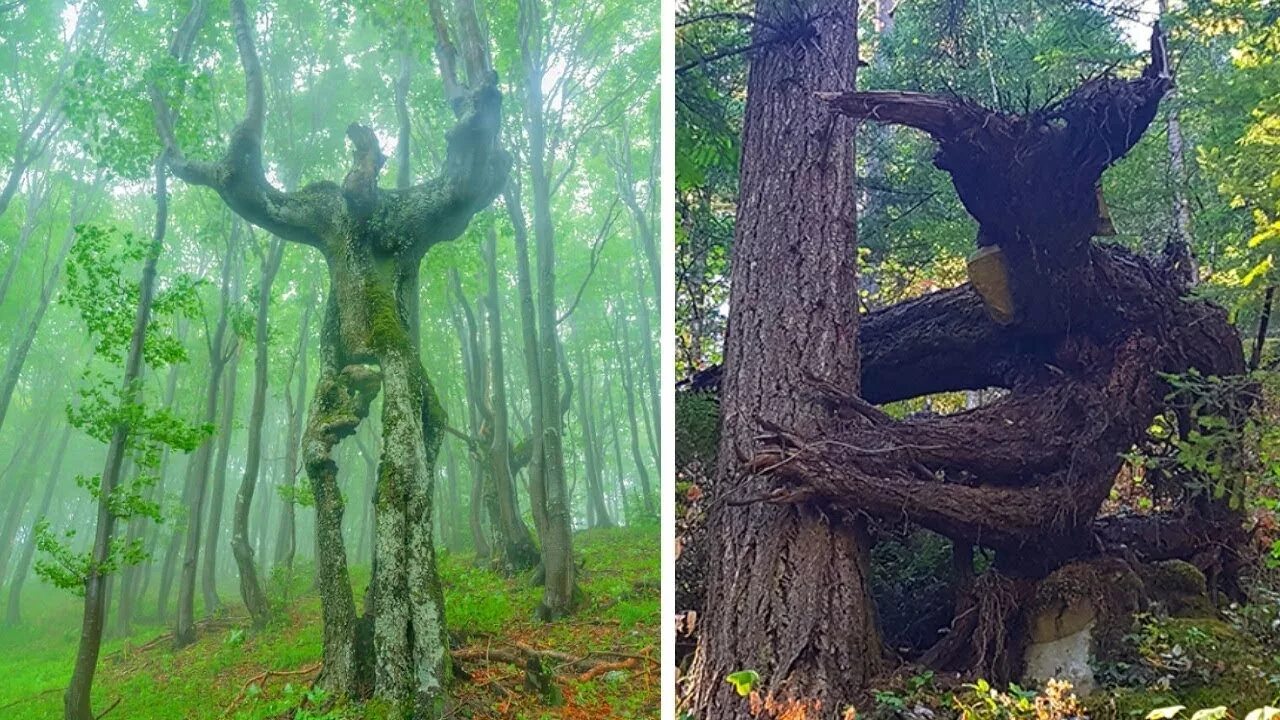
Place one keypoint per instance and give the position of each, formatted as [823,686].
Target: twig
[109,709]
[263,677]
[29,699]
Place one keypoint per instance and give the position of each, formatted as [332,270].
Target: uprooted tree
[373,241]
[1083,337]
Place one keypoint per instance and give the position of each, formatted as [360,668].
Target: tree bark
[624,352]
[591,451]
[788,594]
[560,589]
[20,493]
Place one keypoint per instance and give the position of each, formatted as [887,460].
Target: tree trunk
[599,511]
[794,255]
[617,461]
[213,529]
[22,344]
[140,526]
[184,632]
[76,701]
[477,421]
[560,589]
[373,241]
[250,587]
[624,352]
[20,493]
[287,537]
[1255,358]
[13,615]
[520,552]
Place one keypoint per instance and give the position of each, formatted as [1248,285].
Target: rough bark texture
[1092,330]
[373,241]
[788,594]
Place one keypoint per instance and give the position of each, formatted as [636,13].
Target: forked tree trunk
[788,594]
[373,241]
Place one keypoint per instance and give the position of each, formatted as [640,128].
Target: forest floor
[234,673]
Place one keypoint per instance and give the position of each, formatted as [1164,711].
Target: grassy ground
[225,674]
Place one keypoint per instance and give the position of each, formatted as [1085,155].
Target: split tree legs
[341,401]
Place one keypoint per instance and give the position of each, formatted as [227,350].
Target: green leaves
[1165,713]
[743,681]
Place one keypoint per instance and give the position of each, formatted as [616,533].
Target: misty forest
[980,414]
[330,359]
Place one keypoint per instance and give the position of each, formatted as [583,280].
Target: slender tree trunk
[287,537]
[250,587]
[22,344]
[560,588]
[1255,358]
[1185,262]
[185,630]
[13,615]
[77,697]
[36,199]
[217,494]
[794,254]
[520,553]
[617,461]
[130,575]
[21,493]
[478,419]
[590,450]
[624,352]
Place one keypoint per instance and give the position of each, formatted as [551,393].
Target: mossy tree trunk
[373,241]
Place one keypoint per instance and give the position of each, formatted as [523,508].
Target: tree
[250,587]
[1115,328]
[372,239]
[788,566]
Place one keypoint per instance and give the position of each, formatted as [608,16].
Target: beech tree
[372,240]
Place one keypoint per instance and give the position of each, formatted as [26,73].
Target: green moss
[386,332]
[1180,587]
[1196,662]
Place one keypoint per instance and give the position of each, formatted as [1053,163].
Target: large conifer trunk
[788,596]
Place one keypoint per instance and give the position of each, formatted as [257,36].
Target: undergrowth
[234,672]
